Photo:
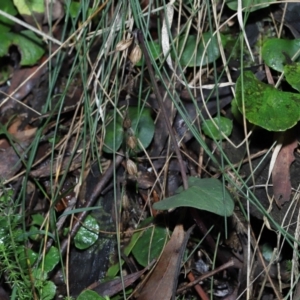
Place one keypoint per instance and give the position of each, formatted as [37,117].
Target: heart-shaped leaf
[224,126]
[48,290]
[155,49]
[192,49]
[142,128]
[51,259]
[277,52]
[266,106]
[150,245]
[205,194]
[87,235]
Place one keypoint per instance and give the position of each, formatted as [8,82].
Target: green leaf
[33,233]
[74,9]
[193,50]
[28,44]
[114,136]
[8,7]
[48,291]
[278,52]
[30,47]
[205,194]
[87,235]
[292,75]
[266,106]
[91,295]
[114,269]
[150,245]
[155,50]
[51,259]
[142,127]
[233,4]
[26,7]
[26,255]
[225,125]
[6,42]
[37,219]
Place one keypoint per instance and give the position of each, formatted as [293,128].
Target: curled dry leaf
[17,89]
[135,55]
[12,162]
[131,167]
[123,45]
[282,187]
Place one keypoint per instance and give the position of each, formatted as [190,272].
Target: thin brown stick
[230,263]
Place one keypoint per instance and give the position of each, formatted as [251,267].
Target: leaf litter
[67,157]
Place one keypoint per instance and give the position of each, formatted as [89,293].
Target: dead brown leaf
[282,187]
[114,286]
[162,283]
[18,90]
[11,161]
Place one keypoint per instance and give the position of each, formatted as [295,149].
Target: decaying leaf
[162,283]
[281,172]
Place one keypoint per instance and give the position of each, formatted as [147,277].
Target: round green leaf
[149,245]
[114,136]
[87,235]
[51,259]
[193,50]
[142,125]
[224,125]
[91,295]
[277,52]
[155,50]
[266,106]
[48,291]
[205,194]
[292,75]
[250,4]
